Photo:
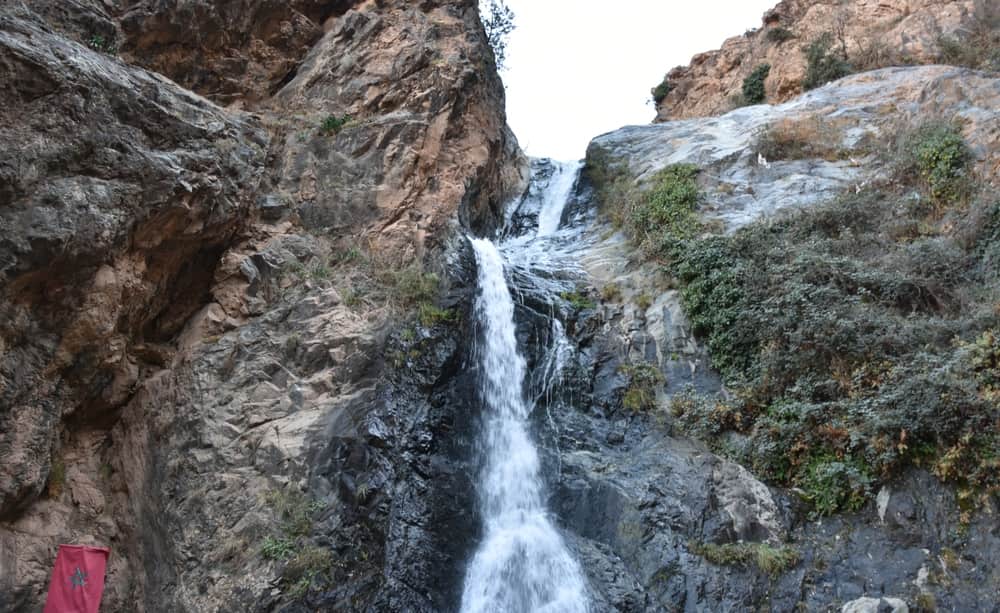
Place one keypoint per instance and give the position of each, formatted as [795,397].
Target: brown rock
[876,33]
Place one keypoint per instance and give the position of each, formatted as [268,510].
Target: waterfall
[522,564]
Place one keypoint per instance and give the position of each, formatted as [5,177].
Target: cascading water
[522,564]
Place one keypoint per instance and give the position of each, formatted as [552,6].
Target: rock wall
[196,300]
[640,495]
[875,34]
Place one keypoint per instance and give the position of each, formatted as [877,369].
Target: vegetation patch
[811,137]
[102,44]
[779,34]
[643,382]
[578,301]
[855,348]
[305,566]
[665,213]
[770,560]
[333,124]
[823,63]
[661,91]
[939,155]
[753,86]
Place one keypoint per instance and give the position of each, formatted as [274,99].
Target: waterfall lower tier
[522,564]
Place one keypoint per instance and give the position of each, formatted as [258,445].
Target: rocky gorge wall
[197,277]
[867,34]
[726,446]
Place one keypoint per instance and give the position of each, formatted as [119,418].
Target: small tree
[498,20]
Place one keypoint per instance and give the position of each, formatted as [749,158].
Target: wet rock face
[118,190]
[893,32]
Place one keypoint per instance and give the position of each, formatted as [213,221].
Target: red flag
[77,580]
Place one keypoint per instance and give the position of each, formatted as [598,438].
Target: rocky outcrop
[640,498]
[120,191]
[873,34]
[199,332]
[741,186]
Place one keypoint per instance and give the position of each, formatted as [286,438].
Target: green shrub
[941,157]
[770,560]
[754,91]
[431,315]
[823,64]
[838,341]
[333,124]
[643,382]
[578,300]
[779,34]
[666,212]
[277,548]
[830,485]
[662,90]
[102,44]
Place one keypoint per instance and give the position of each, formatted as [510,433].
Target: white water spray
[522,564]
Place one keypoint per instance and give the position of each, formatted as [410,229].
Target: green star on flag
[79,578]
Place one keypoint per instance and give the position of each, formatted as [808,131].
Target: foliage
[779,34]
[823,64]
[665,213]
[662,90]
[277,548]
[644,301]
[498,20]
[753,86]
[431,315]
[831,484]
[98,42]
[578,300]
[413,285]
[615,191]
[940,156]
[643,381]
[333,124]
[853,349]
[769,559]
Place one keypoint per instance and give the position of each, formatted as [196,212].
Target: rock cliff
[196,277]
[795,248]
[866,34]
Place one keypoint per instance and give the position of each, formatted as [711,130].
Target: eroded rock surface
[889,32]
[841,116]
[198,330]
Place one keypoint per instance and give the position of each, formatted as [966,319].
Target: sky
[579,68]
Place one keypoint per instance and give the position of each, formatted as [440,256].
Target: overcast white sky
[579,68]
